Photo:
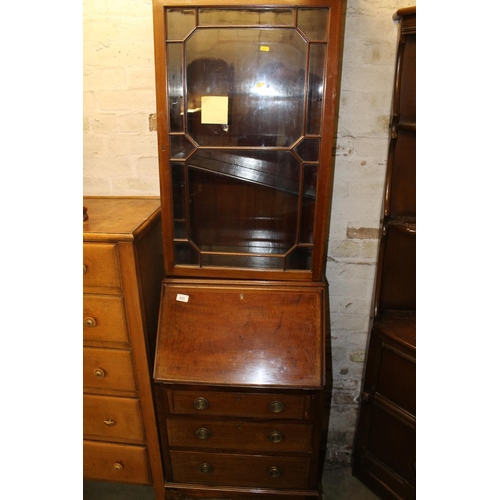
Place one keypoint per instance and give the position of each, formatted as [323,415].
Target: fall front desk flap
[268,335]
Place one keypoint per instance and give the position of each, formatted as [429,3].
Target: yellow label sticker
[264,48]
[214,109]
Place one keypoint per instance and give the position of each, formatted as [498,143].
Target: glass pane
[308,203]
[180,146]
[249,261]
[314,23]
[315,95]
[175,87]
[308,149]
[180,22]
[179,199]
[300,258]
[242,17]
[236,206]
[185,254]
[262,72]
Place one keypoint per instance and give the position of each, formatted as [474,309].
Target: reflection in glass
[180,22]
[300,258]
[317,54]
[179,199]
[246,17]
[308,203]
[175,89]
[263,74]
[314,23]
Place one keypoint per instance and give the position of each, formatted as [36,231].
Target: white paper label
[182,298]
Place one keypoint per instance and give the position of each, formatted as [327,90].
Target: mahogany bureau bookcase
[246,105]
[122,272]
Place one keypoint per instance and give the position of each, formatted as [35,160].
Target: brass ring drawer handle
[206,468]
[275,437]
[276,406]
[117,466]
[200,403]
[110,422]
[99,373]
[90,322]
[274,471]
[203,433]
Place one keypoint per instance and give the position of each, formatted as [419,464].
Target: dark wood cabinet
[246,105]
[385,444]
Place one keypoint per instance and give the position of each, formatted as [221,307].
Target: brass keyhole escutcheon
[99,373]
[200,403]
[274,471]
[276,406]
[117,466]
[90,322]
[275,437]
[203,433]
[206,468]
[109,422]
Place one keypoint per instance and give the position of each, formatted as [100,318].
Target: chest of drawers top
[117,218]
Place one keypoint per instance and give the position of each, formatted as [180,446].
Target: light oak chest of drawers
[122,266]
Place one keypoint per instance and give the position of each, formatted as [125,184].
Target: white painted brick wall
[120,158]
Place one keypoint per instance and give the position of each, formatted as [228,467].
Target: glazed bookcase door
[246,106]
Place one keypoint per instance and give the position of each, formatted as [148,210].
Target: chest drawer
[240,435]
[238,404]
[100,265]
[104,319]
[240,470]
[107,417]
[108,369]
[115,462]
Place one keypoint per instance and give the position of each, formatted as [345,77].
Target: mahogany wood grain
[261,336]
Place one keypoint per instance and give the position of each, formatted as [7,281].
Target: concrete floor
[338,484]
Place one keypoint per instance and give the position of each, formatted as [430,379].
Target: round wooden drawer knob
[99,373]
[275,437]
[117,466]
[206,468]
[200,403]
[276,406]
[203,433]
[274,471]
[90,322]
[84,268]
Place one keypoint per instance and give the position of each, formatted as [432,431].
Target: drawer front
[101,267]
[115,462]
[240,435]
[107,417]
[108,369]
[104,319]
[240,470]
[201,403]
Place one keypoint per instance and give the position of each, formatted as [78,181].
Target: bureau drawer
[258,471]
[115,462]
[241,404]
[108,369]
[104,319]
[240,435]
[108,417]
[100,265]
